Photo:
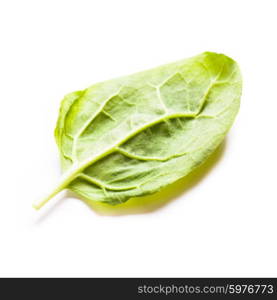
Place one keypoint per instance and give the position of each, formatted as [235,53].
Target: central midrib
[74,171]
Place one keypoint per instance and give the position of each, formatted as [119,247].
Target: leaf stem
[63,183]
[39,204]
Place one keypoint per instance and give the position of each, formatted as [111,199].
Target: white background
[219,222]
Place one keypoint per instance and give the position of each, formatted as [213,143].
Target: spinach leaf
[131,136]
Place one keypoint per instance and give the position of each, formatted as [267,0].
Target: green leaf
[131,136]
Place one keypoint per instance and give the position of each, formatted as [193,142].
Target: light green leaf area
[131,136]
